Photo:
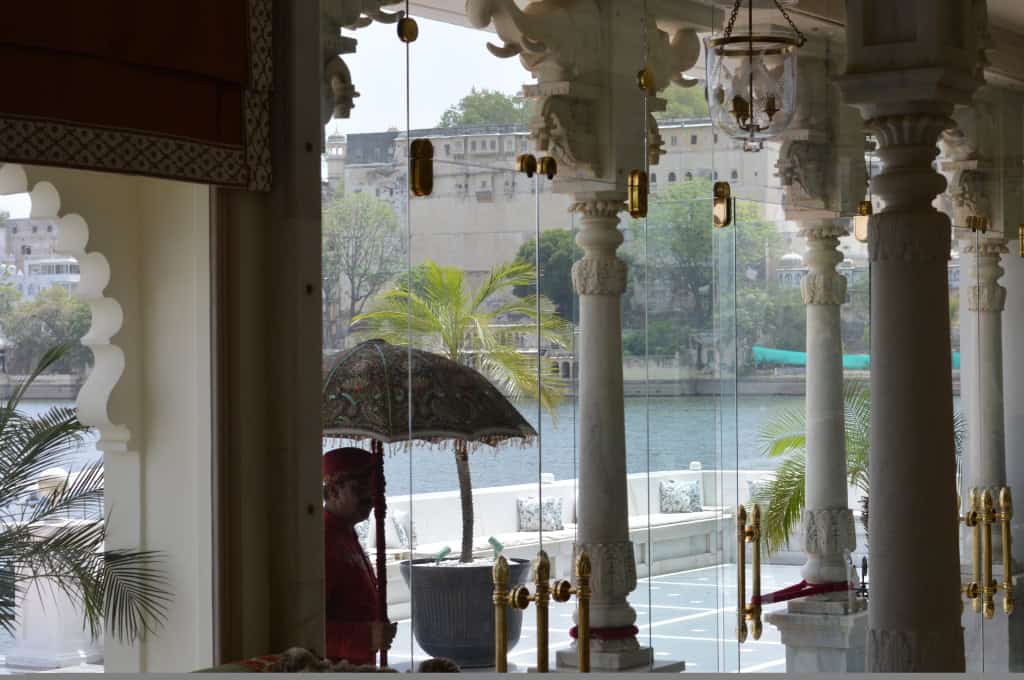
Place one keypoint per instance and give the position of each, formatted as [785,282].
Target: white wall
[155,236]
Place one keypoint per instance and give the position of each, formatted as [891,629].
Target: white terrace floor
[688,616]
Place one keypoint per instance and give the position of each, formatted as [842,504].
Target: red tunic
[351,591]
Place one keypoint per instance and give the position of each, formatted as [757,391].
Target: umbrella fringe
[393,448]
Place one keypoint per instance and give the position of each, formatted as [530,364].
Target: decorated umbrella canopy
[390,394]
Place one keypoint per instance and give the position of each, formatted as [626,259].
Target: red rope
[802,589]
[622,633]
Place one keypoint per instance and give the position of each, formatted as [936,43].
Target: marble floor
[686,616]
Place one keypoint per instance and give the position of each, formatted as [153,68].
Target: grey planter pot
[452,609]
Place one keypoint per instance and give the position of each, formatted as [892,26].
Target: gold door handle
[500,598]
[988,584]
[527,164]
[421,167]
[748,612]
[1005,518]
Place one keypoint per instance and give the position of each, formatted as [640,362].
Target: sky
[447,61]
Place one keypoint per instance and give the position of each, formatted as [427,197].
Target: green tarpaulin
[785,357]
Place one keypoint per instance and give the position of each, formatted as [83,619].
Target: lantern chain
[801,38]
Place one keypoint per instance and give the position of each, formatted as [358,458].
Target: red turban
[347,462]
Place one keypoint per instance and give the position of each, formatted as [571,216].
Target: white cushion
[679,496]
[396,531]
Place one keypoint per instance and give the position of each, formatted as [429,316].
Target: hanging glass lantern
[751,78]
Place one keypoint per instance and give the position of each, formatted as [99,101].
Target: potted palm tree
[785,437]
[437,309]
[59,536]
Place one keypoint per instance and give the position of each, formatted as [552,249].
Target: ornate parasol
[390,394]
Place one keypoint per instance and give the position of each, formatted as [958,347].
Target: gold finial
[541,568]
[1006,502]
[583,565]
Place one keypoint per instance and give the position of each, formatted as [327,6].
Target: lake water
[662,433]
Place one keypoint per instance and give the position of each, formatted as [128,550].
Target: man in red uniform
[355,630]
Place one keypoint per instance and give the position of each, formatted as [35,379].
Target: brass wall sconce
[421,167]
[639,188]
[861,221]
[748,534]
[544,591]
[721,213]
[980,515]
[527,164]
[977,223]
[547,166]
[408,30]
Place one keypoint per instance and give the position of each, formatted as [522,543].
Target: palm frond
[783,498]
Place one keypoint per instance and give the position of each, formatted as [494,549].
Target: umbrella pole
[380,512]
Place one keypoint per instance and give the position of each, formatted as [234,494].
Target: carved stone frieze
[613,567]
[562,43]
[902,651]
[599,275]
[912,237]
[829,531]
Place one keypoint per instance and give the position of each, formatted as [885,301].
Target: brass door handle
[748,612]
[980,516]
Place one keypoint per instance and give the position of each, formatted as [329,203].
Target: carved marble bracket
[337,89]
[565,44]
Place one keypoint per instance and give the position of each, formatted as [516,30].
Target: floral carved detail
[829,531]
[916,129]
[599,275]
[822,285]
[901,651]
[802,169]
[613,566]
[562,126]
[823,289]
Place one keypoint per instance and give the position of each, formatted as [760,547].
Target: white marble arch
[107,316]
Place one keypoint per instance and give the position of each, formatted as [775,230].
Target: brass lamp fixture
[748,612]
[980,515]
[751,78]
[544,591]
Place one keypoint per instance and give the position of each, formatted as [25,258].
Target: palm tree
[436,307]
[60,536]
[785,436]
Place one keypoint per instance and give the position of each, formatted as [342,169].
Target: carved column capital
[983,272]
[823,285]
[600,272]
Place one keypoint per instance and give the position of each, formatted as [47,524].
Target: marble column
[914,620]
[827,520]
[986,461]
[600,280]
[907,67]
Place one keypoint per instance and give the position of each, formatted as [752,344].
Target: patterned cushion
[680,496]
[534,518]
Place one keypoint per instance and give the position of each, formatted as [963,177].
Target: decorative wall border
[67,144]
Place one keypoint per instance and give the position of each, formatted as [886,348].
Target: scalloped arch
[107,315]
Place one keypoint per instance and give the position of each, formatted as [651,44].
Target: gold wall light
[748,534]
[421,167]
[547,165]
[408,30]
[639,188]
[527,164]
[721,213]
[861,221]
